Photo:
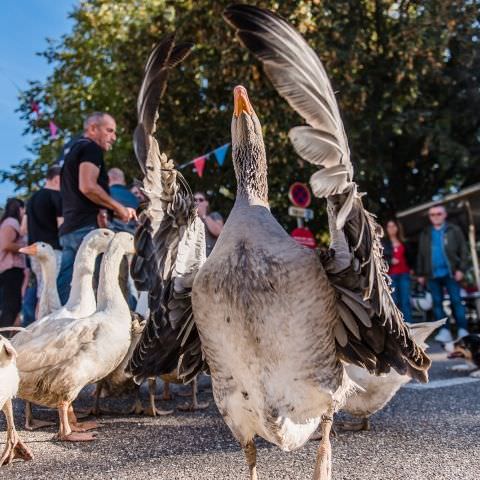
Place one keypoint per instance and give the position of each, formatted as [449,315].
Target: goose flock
[288,337]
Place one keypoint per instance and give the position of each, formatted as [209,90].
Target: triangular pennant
[53,129]
[221,153]
[199,164]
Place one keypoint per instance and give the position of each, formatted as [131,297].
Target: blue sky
[24,26]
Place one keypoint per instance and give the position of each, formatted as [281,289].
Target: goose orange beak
[241,103]
[30,250]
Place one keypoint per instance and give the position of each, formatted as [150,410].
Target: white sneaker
[462,333]
[444,336]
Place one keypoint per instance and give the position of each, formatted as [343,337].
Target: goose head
[98,239]
[41,250]
[248,149]
[123,241]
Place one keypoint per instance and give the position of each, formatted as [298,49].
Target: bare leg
[363,425]
[65,433]
[77,426]
[14,447]
[195,405]
[152,410]
[33,423]
[251,455]
[137,407]
[167,394]
[323,466]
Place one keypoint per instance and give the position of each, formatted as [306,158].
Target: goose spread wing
[170,241]
[371,333]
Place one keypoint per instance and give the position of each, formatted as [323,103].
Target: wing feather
[170,240]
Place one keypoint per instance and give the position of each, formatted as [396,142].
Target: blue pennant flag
[221,153]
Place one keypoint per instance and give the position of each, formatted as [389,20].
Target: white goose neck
[109,295]
[81,292]
[49,299]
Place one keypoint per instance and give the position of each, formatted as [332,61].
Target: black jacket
[455,247]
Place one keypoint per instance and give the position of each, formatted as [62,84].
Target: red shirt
[400,265]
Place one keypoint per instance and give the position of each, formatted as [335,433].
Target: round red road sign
[304,237]
[299,195]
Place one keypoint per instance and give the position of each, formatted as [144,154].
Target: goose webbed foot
[70,430]
[14,447]
[195,405]
[152,409]
[323,466]
[34,423]
[363,425]
[77,437]
[250,451]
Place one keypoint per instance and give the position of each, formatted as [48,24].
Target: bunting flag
[220,153]
[53,129]
[35,107]
[199,163]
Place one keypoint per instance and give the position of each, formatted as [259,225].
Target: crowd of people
[76,198]
[81,195]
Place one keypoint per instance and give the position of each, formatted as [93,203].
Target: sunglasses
[439,214]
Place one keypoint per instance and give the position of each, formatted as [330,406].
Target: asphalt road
[424,433]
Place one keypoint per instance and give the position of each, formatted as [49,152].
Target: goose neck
[251,173]
[49,299]
[109,294]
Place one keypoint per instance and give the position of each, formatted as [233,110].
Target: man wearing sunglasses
[441,264]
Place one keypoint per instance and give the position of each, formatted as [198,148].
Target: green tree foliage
[406,73]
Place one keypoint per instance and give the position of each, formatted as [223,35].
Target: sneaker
[462,332]
[444,336]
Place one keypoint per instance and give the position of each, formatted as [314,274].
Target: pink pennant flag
[53,129]
[35,107]
[199,163]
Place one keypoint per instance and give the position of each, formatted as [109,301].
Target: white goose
[81,301]
[14,447]
[55,365]
[49,300]
[377,390]
[273,325]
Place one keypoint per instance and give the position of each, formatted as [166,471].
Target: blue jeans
[401,294]
[70,243]
[436,286]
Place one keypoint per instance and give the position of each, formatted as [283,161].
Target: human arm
[88,185]
[214,225]
[10,240]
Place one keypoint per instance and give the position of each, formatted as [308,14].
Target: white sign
[306,213]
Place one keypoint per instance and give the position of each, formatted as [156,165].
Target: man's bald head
[116,177]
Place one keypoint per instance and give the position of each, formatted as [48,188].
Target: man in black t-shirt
[84,188]
[43,217]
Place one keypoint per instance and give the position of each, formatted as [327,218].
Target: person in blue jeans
[85,193]
[398,255]
[441,265]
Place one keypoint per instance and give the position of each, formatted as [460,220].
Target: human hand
[125,214]
[458,276]
[395,261]
[421,281]
[202,209]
